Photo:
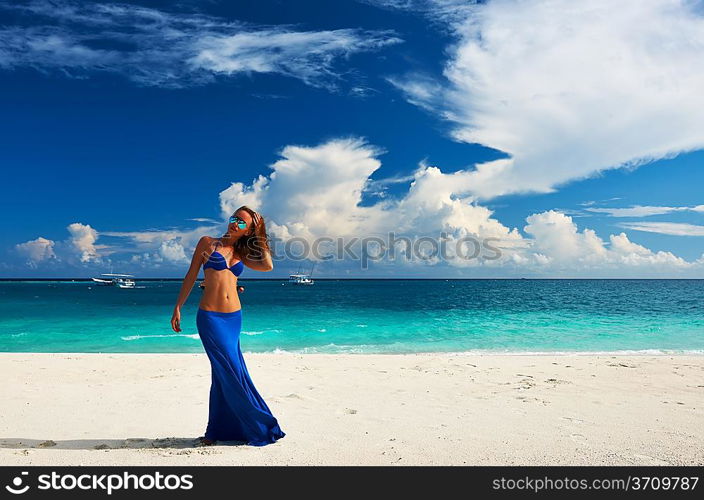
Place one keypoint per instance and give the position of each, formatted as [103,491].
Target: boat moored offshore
[300,279]
[118,280]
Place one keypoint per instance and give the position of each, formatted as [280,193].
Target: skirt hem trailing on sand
[237,412]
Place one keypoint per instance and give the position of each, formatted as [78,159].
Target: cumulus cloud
[36,251]
[173,251]
[83,238]
[316,191]
[165,253]
[317,188]
[80,245]
[158,48]
[566,89]
[557,238]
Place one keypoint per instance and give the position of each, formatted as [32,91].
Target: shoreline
[360,409]
[281,352]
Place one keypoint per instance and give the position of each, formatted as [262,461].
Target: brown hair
[252,246]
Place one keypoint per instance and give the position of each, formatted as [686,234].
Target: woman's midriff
[220,292]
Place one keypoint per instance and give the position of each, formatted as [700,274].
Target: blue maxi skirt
[236,411]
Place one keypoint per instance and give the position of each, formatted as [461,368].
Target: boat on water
[118,280]
[125,283]
[300,279]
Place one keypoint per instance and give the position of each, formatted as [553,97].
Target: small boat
[300,279]
[118,280]
[124,283]
[104,279]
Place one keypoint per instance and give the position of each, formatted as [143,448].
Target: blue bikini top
[218,262]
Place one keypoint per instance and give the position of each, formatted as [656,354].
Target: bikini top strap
[226,257]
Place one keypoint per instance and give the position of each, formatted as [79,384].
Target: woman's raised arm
[263,263]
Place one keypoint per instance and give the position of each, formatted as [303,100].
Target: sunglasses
[242,224]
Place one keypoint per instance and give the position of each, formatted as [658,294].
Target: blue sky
[125,126]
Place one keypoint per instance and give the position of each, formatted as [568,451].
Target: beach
[359,409]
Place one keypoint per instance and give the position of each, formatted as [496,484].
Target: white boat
[124,282]
[300,279]
[119,280]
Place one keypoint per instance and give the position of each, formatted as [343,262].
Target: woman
[236,411]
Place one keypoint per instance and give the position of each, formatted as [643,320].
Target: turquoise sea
[366,316]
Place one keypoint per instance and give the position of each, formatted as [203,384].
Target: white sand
[146,409]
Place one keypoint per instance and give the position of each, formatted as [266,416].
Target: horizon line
[375,279]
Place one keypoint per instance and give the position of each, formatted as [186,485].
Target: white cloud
[672,228]
[163,244]
[567,89]
[159,48]
[148,248]
[556,236]
[378,187]
[313,190]
[631,254]
[173,251]
[304,55]
[80,244]
[146,237]
[438,11]
[644,211]
[316,191]
[202,219]
[36,251]
[83,238]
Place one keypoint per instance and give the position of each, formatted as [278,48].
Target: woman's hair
[251,246]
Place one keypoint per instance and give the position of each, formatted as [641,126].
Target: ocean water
[366,316]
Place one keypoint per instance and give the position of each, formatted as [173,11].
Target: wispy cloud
[139,241]
[644,210]
[567,89]
[378,187]
[203,219]
[672,228]
[159,48]
[445,13]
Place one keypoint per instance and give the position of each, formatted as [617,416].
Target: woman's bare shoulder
[207,240]
[208,243]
